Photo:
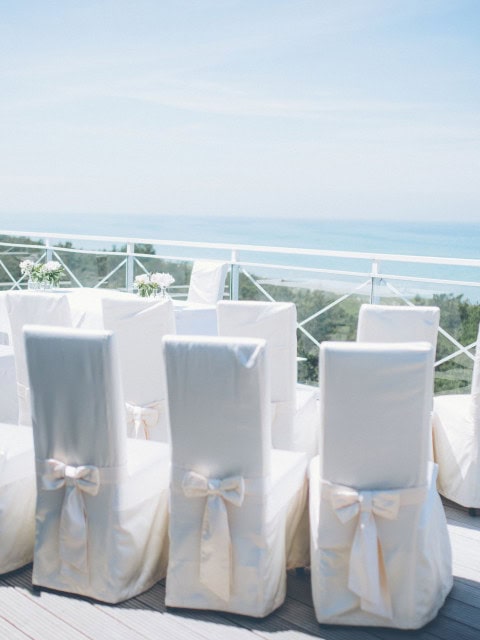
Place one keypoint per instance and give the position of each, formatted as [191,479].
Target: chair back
[77,402]
[275,322]
[475,391]
[29,307]
[139,325]
[388,323]
[207,281]
[218,405]
[375,401]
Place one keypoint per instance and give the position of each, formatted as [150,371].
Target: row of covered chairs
[206,287]
[314,502]
[140,324]
[378,531]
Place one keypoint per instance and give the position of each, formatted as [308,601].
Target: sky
[344,109]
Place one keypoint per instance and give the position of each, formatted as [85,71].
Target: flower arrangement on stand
[153,285]
[42,276]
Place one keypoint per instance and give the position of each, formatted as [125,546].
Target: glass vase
[163,294]
[33,285]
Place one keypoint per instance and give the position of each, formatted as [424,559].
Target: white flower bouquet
[153,285]
[31,270]
[52,272]
[47,274]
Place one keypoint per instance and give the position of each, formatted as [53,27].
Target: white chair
[380,548]
[389,323]
[8,386]
[139,325]
[294,406]
[102,498]
[232,497]
[456,442]
[207,281]
[32,307]
[17,497]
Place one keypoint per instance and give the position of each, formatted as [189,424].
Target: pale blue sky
[308,108]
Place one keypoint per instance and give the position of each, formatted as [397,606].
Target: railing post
[374,277]
[48,249]
[130,265]
[234,273]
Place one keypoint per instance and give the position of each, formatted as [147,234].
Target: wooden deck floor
[44,615]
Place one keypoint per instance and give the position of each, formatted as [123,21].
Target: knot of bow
[143,418]
[73,520]
[215,541]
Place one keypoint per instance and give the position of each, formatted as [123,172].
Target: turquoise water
[459,240]
[438,239]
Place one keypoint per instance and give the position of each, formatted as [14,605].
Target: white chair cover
[230,493]
[102,503]
[456,441]
[207,281]
[8,386]
[380,548]
[389,323]
[294,407]
[32,307]
[139,325]
[17,497]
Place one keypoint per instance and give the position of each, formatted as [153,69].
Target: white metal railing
[358,273]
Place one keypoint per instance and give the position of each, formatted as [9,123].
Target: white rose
[142,279]
[162,279]
[26,266]
[52,265]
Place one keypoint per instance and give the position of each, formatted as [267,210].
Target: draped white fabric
[390,323]
[86,311]
[294,407]
[139,325]
[207,281]
[193,318]
[102,504]
[17,496]
[8,385]
[294,411]
[231,495]
[379,543]
[28,307]
[456,436]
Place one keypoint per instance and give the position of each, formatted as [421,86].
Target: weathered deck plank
[31,615]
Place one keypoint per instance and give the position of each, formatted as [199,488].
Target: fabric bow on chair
[367,576]
[143,418]
[73,522]
[215,545]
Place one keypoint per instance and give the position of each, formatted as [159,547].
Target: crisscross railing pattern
[307,270]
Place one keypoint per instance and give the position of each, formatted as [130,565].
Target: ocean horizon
[435,239]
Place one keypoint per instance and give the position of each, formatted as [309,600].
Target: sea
[435,239]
